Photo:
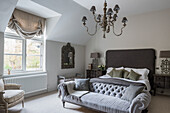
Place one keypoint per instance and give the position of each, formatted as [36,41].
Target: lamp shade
[95,55]
[164,54]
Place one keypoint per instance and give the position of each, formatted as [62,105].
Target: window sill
[23,74]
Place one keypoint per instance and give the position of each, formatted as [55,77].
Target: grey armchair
[10,96]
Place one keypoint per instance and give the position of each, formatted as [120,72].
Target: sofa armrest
[140,102]
[12,86]
[2,101]
[63,87]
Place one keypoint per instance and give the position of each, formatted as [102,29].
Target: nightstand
[94,73]
[162,84]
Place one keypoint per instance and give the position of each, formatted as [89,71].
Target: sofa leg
[6,110]
[23,104]
[145,111]
[63,104]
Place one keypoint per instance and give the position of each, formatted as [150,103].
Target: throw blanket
[122,81]
[71,91]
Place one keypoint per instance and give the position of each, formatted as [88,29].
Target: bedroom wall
[53,60]
[149,30]
[1,52]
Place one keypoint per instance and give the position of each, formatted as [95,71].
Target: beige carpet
[50,103]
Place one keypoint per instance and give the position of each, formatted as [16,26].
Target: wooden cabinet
[162,84]
[94,73]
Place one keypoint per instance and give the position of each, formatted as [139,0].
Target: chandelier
[106,20]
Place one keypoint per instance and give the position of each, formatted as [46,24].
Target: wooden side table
[162,84]
[94,73]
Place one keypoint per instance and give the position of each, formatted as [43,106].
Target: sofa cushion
[82,84]
[131,92]
[1,85]
[13,95]
[105,103]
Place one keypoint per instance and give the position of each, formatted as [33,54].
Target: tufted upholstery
[108,89]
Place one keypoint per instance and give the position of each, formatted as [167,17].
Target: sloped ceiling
[69,27]
[6,9]
[127,7]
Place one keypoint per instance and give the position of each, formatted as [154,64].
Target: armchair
[10,95]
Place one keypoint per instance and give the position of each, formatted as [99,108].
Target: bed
[134,58]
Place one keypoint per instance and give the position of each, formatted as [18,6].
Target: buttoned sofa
[106,97]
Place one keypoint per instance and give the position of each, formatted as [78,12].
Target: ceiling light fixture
[106,20]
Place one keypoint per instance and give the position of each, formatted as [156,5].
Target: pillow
[133,76]
[110,69]
[1,85]
[125,74]
[143,71]
[131,92]
[82,84]
[116,73]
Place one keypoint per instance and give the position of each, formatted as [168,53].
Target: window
[21,55]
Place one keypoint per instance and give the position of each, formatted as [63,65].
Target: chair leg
[63,104]
[23,104]
[6,110]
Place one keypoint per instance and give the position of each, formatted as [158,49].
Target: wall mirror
[68,54]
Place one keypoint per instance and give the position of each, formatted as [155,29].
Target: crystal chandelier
[106,20]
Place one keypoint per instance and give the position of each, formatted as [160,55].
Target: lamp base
[95,63]
[165,66]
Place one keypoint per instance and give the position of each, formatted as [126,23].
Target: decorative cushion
[1,85]
[116,73]
[133,75]
[125,73]
[13,95]
[131,92]
[82,84]
[142,71]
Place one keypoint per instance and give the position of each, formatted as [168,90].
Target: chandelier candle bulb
[105,20]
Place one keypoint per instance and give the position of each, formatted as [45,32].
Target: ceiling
[64,16]
[127,7]
[36,9]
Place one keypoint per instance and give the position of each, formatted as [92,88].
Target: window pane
[33,47]
[33,62]
[12,62]
[13,46]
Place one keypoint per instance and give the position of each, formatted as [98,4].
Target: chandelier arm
[87,29]
[120,32]
[95,18]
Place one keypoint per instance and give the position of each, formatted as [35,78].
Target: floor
[50,103]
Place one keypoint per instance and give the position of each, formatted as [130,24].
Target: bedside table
[94,73]
[162,84]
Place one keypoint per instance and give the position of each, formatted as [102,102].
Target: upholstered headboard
[135,58]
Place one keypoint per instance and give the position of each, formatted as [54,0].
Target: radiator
[30,83]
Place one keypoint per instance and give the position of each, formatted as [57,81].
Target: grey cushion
[131,92]
[82,84]
[105,103]
[125,73]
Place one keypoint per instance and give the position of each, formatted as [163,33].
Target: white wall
[151,30]
[53,50]
[1,52]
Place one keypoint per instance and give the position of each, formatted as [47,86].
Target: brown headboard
[135,58]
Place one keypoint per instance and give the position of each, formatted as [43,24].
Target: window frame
[24,54]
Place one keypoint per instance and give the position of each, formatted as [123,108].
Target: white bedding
[144,81]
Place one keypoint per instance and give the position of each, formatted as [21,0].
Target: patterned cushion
[1,85]
[13,95]
[108,89]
